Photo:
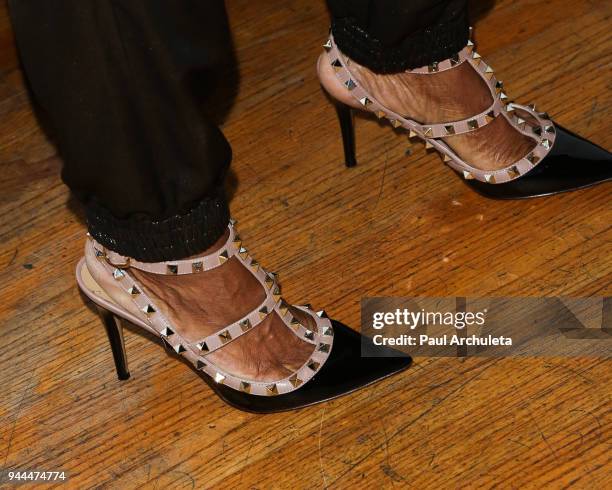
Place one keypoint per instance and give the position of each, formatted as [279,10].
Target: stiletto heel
[114,330]
[559,160]
[345,117]
[334,367]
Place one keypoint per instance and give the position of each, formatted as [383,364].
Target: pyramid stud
[472,124]
[520,121]
[531,107]
[263,312]
[200,365]
[295,323]
[544,115]
[233,222]
[467,175]
[455,60]
[503,97]
[328,45]
[134,291]
[396,124]
[197,267]
[295,381]
[490,178]
[499,86]
[328,332]
[283,308]
[380,114]
[433,67]
[336,64]
[219,378]
[446,158]
[489,72]
[510,108]
[237,243]
[308,306]
[271,390]
[167,331]
[246,387]
[172,269]
[470,46]
[322,314]
[223,257]
[269,282]
[254,265]
[476,57]
[350,84]
[203,346]
[490,116]
[309,334]
[179,349]
[513,172]
[537,130]
[546,144]
[148,310]
[428,132]
[313,365]
[276,294]
[225,337]
[428,145]
[118,274]
[365,101]
[245,325]
[323,348]
[243,252]
[450,129]
[412,134]
[549,129]
[100,255]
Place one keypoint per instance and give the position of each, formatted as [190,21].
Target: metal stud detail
[380,114]
[490,116]
[309,334]
[166,332]
[336,64]
[243,253]
[263,312]
[295,381]
[450,129]
[246,387]
[328,332]
[118,274]
[225,337]
[513,172]
[148,310]
[350,84]
[200,365]
[219,378]
[328,45]
[134,291]
[223,257]
[245,325]
[472,124]
[428,132]
[323,348]
[197,267]
[395,123]
[313,365]
[490,178]
[271,390]
[365,101]
[467,175]
[546,144]
[172,269]
[203,346]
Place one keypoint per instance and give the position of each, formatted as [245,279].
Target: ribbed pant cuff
[424,47]
[173,238]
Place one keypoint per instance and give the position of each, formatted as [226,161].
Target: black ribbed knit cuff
[173,238]
[424,47]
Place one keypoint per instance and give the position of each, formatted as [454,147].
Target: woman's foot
[198,305]
[449,95]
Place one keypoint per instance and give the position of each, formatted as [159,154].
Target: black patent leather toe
[572,163]
[344,372]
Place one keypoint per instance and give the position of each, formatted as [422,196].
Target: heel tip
[123,377]
[350,163]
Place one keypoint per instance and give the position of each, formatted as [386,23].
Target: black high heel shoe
[561,161]
[335,365]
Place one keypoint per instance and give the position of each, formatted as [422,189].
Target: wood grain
[394,225]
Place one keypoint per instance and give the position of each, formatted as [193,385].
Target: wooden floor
[395,225]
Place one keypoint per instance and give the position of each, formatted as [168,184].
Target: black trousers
[113,80]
